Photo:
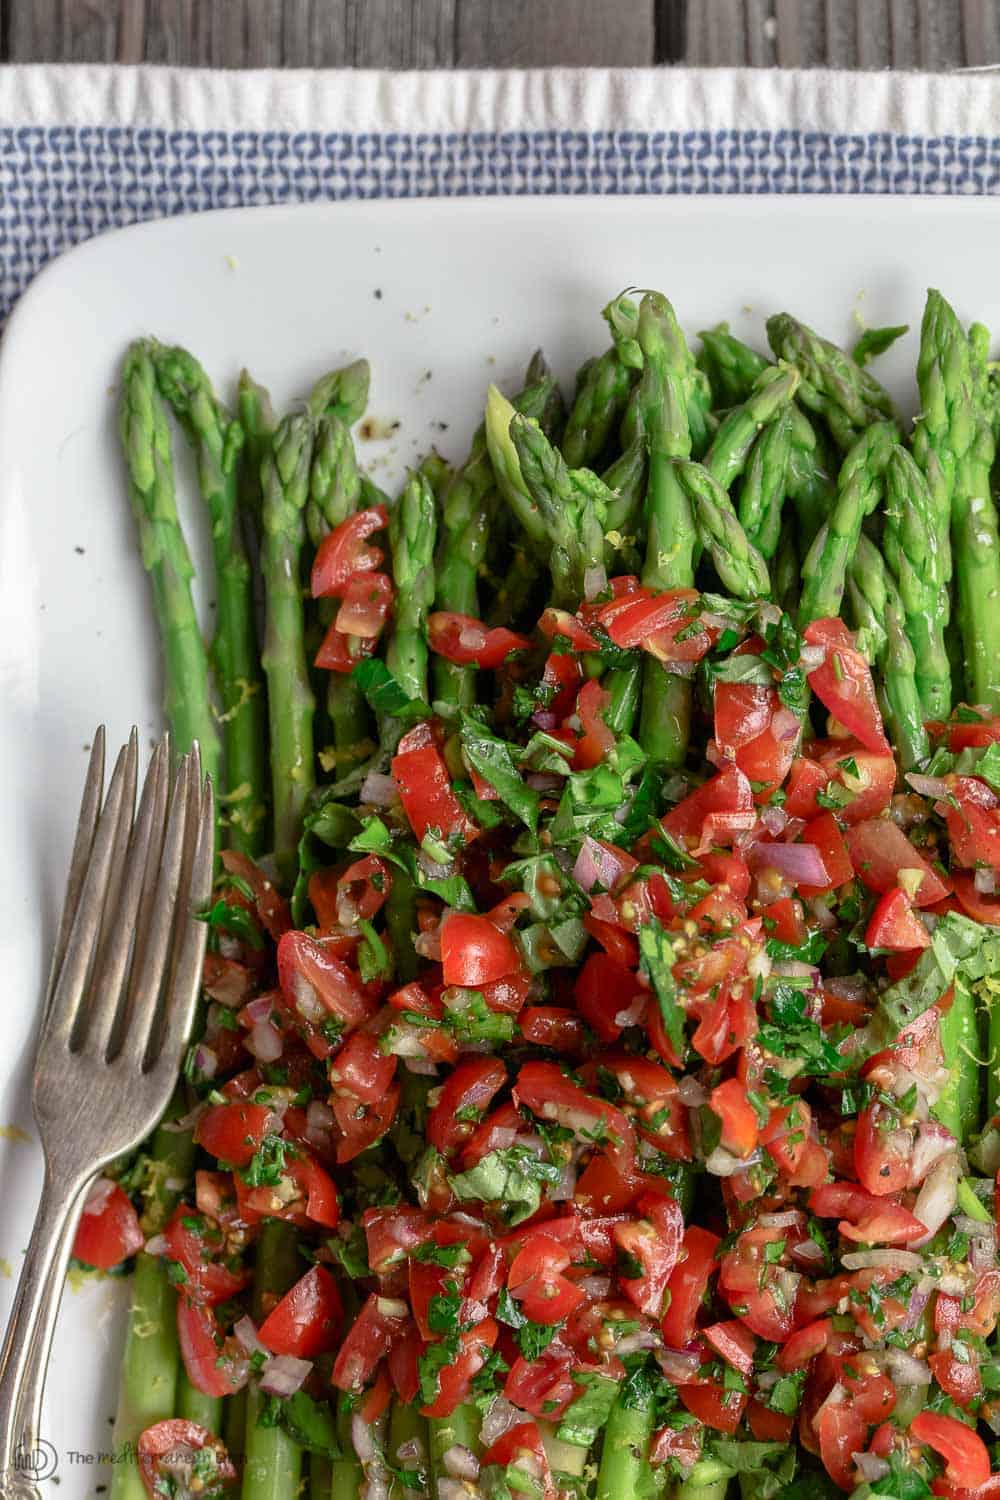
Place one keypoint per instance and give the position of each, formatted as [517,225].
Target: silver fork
[117,1015]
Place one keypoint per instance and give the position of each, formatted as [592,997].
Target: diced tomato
[842,1431]
[654,1242]
[361,1069]
[469,643]
[895,925]
[678,1445]
[365,606]
[162,1448]
[597,739]
[536,1281]
[317,985]
[521,1446]
[341,653]
[109,1230]
[616,942]
[974,825]
[720,868]
[342,554]
[559,622]
[307,1195]
[376,1398]
[867,1218]
[554,1026]
[234,1132]
[804,1344]
[967,1461]
[883,1150]
[544,1089]
[455,1378]
[428,800]
[825,834]
[719,1409]
[843,684]
[976,904]
[307,1320]
[214,1365]
[605,989]
[196,1245]
[391,1233]
[742,712]
[467,1091]
[868,779]
[370,1337]
[653,1102]
[543,1386]
[362,1124]
[768,1426]
[806,778]
[716,811]
[474,951]
[958,1378]
[403,1362]
[687,1286]
[784,921]
[561,675]
[739,1118]
[733,1342]
[362,890]
[635,620]
[880,852]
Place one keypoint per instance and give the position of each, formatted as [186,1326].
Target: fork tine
[90,807]
[149,979]
[190,938]
[105,1011]
[143,920]
[84,932]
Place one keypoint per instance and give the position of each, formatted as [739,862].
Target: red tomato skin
[206,1280]
[199,1338]
[980,907]
[544,1089]
[456,1378]
[879,850]
[967,1461]
[106,1238]
[842,1431]
[342,553]
[474,951]
[307,1320]
[974,825]
[895,925]
[597,739]
[824,832]
[687,1285]
[166,1438]
[311,973]
[735,1343]
[604,989]
[468,642]
[472,1085]
[367,1341]
[721,1410]
[425,792]
[843,684]
[739,1119]
[555,1027]
[769,1426]
[233,1132]
[655,1242]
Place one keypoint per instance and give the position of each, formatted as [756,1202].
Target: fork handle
[24,1355]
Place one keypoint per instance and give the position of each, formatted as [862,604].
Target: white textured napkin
[84,149]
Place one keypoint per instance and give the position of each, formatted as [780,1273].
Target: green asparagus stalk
[773,389]
[811,485]
[876,610]
[194,1406]
[601,397]
[624,1468]
[975,539]
[412,533]
[334,495]
[145,437]
[408,1429]
[346,1477]
[216,440]
[285,482]
[860,489]
[151,1362]
[257,419]
[341,393]
[958,1106]
[465,527]
[765,486]
[572,507]
[273,1463]
[786,573]
[740,567]
[834,386]
[912,542]
[731,366]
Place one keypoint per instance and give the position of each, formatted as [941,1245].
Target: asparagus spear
[216,440]
[624,1468]
[151,1361]
[571,505]
[811,486]
[736,560]
[860,488]
[334,495]
[976,549]
[285,483]
[765,485]
[341,393]
[731,366]
[412,533]
[786,573]
[771,392]
[912,543]
[465,524]
[834,386]
[273,1462]
[601,396]
[877,612]
[145,437]
[257,419]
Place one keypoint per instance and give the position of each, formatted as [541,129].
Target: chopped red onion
[785,726]
[362,1439]
[412,1448]
[905,1368]
[773,819]
[821,913]
[985,881]
[982,1250]
[938,1196]
[432,868]
[807,1250]
[595,581]
[501,1416]
[260,1008]
[421,1066]
[599,863]
[156,1244]
[783,1220]
[871,1467]
[633,1013]
[544,781]
[460,1462]
[915,1309]
[378,790]
[284,1375]
[319,1123]
[186,1122]
[800,863]
[759,964]
[889,1260]
[811,657]
[265,1042]
[596,1287]
[391,1307]
[206,1061]
[633,1343]
[927,786]
[680,668]
[564,1189]
[98,1196]
[848,987]
[678,1365]
[691,1093]
[974,1228]
[428,945]
[722,1164]
[245,1332]
[794,968]
[449,1489]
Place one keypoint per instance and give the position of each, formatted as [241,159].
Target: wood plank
[546,33]
[940,35]
[171,36]
[34,31]
[132,32]
[980,33]
[88,31]
[841,36]
[670,31]
[873,33]
[761,31]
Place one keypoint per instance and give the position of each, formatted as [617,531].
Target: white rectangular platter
[442,296]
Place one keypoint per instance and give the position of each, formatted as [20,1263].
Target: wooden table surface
[925,34]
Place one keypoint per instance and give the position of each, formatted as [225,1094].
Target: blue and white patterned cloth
[86,149]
